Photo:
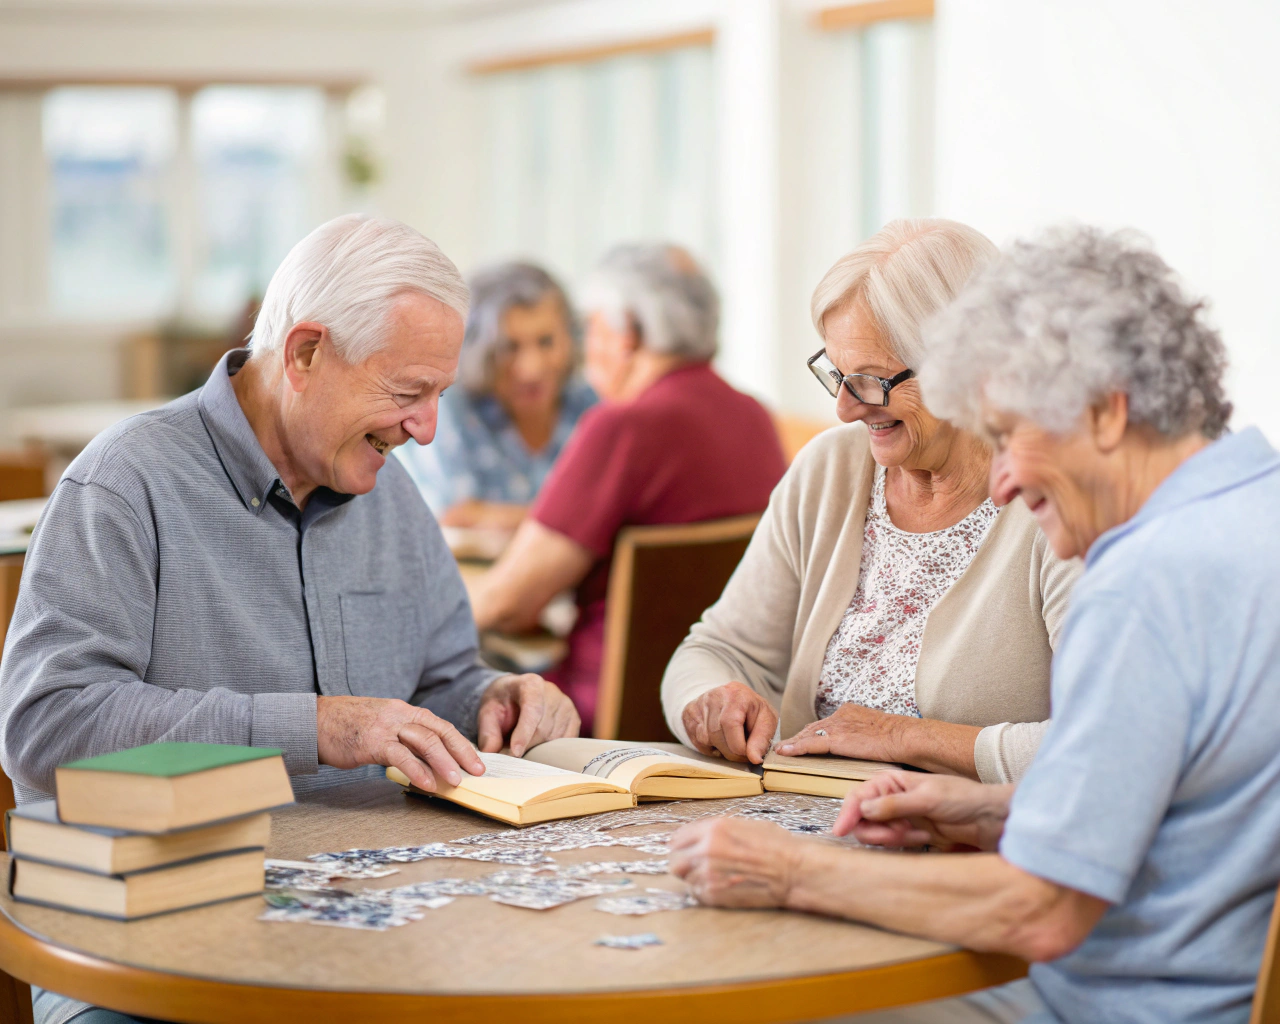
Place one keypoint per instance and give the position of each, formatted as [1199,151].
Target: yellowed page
[625,763]
[810,785]
[518,782]
[851,768]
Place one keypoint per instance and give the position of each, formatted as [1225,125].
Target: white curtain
[896,62]
[582,156]
[24,241]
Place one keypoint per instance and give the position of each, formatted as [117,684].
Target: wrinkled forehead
[422,338]
[855,342]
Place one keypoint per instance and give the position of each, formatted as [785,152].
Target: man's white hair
[906,272]
[345,275]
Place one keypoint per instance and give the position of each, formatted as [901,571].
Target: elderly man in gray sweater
[246,565]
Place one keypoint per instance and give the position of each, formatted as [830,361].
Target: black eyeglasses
[867,388]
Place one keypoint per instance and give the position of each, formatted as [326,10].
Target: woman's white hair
[660,292]
[345,275]
[1060,321]
[906,272]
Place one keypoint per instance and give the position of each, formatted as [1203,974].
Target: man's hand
[915,809]
[355,731]
[731,720]
[528,709]
[853,731]
[729,862]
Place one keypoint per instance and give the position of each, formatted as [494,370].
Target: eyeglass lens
[867,389]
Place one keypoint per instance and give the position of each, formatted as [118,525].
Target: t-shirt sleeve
[1089,808]
[589,493]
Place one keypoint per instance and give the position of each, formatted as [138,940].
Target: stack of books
[146,831]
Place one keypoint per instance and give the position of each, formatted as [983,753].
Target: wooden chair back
[1266,997]
[21,475]
[794,432]
[661,581]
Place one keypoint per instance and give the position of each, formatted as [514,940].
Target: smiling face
[1061,477]
[903,433]
[532,359]
[340,420]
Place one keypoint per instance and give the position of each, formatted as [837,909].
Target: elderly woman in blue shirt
[516,402]
[1137,861]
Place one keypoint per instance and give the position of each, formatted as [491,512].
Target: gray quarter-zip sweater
[172,592]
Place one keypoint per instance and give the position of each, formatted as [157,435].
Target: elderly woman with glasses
[1137,862]
[670,442]
[517,401]
[886,608]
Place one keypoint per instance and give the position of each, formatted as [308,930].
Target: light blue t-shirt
[479,455]
[1157,787]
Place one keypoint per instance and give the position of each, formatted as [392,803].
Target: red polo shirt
[687,449]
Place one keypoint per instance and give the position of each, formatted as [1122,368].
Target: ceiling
[443,9]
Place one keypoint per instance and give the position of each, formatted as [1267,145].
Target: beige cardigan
[985,654]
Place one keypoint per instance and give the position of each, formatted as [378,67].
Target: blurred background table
[473,960]
[476,549]
[17,520]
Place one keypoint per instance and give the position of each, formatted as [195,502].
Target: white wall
[749,143]
[46,359]
[1154,113]
[1162,115]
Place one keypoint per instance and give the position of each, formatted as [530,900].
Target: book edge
[111,832]
[113,917]
[84,764]
[180,828]
[15,856]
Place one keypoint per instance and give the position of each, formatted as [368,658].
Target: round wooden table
[474,960]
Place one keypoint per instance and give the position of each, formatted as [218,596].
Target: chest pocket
[384,641]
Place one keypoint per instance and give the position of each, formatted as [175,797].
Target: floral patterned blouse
[871,659]
[478,454]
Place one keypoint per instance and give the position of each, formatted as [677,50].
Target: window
[169,204]
[254,149]
[896,63]
[582,156]
[110,155]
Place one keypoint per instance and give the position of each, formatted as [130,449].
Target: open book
[647,771]
[820,775]
[523,792]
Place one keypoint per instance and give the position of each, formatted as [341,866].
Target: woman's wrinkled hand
[733,721]
[853,731]
[908,809]
[729,862]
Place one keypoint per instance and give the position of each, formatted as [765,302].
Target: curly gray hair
[494,290]
[1058,322]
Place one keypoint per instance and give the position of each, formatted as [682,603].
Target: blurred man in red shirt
[670,442]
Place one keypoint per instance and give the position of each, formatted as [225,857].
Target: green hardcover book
[164,786]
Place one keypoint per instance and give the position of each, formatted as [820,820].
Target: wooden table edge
[193,1000]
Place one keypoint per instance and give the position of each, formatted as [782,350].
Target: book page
[504,766]
[622,762]
[603,764]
